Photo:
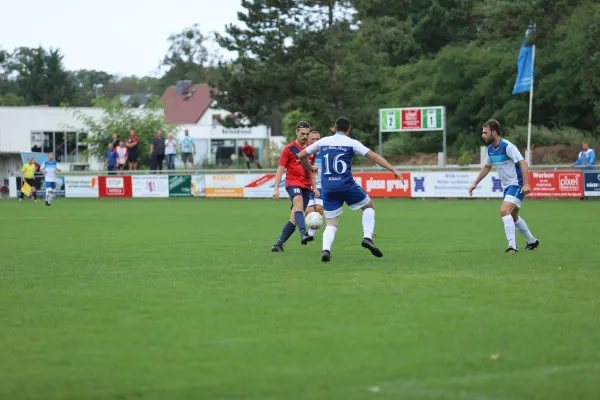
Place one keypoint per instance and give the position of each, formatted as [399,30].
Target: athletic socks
[300,223]
[509,229]
[312,232]
[524,230]
[287,231]
[368,222]
[328,237]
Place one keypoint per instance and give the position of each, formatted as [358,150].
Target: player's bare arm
[525,172]
[278,176]
[376,158]
[482,174]
[313,179]
[303,158]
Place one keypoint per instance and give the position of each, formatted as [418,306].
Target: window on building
[66,146]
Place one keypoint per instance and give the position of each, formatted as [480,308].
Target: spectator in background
[111,160]
[121,151]
[187,149]
[170,151]
[249,153]
[132,150]
[587,158]
[157,151]
[115,140]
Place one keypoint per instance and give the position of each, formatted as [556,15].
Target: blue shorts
[312,201]
[355,197]
[51,185]
[513,194]
[294,191]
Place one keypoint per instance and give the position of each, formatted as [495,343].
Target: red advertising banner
[114,186]
[383,184]
[411,119]
[556,184]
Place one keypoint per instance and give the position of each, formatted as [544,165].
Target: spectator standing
[187,149]
[170,151]
[157,151]
[249,153]
[115,140]
[133,150]
[111,160]
[586,159]
[121,151]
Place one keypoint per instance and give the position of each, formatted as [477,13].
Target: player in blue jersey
[339,186]
[49,169]
[315,203]
[514,175]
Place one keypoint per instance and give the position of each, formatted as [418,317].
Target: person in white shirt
[170,151]
[121,151]
[49,169]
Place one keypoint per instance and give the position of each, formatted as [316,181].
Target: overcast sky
[124,37]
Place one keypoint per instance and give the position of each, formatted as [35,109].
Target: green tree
[118,118]
[11,99]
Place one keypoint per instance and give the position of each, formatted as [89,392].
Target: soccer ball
[314,220]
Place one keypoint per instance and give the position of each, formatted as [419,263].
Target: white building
[189,107]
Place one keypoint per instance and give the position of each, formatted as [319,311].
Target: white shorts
[315,202]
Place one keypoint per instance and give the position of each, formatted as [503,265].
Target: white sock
[368,222]
[312,232]
[524,230]
[50,196]
[47,196]
[328,237]
[509,229]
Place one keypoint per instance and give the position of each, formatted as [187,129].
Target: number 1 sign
[413,119]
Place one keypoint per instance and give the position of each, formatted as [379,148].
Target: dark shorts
[51,185]
[250,159]
[294,191]
[32,182]
[187,157]
[132,157]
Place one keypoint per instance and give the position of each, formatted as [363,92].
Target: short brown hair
[494,126]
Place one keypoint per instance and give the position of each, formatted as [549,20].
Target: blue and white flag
[525,63]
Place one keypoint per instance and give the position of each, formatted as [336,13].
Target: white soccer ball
[314,220]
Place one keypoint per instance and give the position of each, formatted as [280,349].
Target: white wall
[205,129]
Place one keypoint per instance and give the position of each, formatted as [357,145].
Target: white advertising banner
[198,186]
[234,181]
[454,185]
[262,187]
[81,186]
[150,186]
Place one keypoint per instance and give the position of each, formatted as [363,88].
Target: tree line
[319,59]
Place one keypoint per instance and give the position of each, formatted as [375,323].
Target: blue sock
[287,231]
[299,217]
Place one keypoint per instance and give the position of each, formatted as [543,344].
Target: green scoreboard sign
[411,119]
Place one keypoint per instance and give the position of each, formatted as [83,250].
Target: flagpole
[530,107]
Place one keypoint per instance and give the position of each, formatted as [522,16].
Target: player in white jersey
[315,203]
[339,186]
[49,169]
[514,175]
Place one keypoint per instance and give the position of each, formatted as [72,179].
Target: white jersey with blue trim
[336,160]
[506,159]
[318,164]
[50,168]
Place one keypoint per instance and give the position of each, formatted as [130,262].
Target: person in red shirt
[249,153]
[132,150]
[298,183]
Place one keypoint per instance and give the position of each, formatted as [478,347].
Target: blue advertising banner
[591,184]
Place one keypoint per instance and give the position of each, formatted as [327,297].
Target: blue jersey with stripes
[336,154]
[318,164]
[506,159]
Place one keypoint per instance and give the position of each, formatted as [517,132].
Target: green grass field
[182,299]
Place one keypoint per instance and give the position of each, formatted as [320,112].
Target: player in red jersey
[298,183]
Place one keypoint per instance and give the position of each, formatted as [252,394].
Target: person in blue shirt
[111,159]
[339,186]
[586,159]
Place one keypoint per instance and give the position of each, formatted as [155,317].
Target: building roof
[187,108]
